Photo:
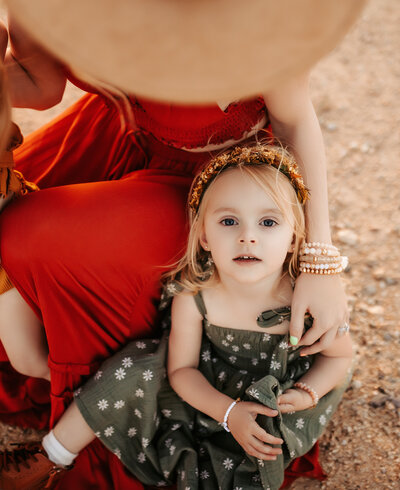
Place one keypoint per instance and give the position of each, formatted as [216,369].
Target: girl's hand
[293,400]
[324,298]
[253,439]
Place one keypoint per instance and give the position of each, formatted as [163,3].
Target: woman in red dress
[86,253]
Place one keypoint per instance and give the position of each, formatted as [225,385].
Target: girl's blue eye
[228,222]
[268,222]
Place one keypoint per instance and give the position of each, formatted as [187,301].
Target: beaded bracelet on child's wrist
[321,258]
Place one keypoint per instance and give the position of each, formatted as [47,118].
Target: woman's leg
[87,259]
[23,336]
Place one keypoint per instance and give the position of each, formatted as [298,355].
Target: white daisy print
[239,384]
[139,393]
[283,345]
[292,454]
[254,361]
[322,419]
[145,442]
[166,412]
[78,392]
[141,458]
[204,475]
[166,473]
[222,375]
[117,453]
[148,375]
[225,343]
[97,434]
[120,374]
[206,355]
[127,362]
[98,375]
[266,337]
[263,355]
[138,413]
[229,337]
[141,345]
[176,426]
[119,404]
[299,423]
[157,341]
[232,359]
[328,410]
[260,463]
[253,392]
[235,348]
[275,365]
[228,463]
[247,346]
[102,404]
[132,431]
[172,449]
[109,431]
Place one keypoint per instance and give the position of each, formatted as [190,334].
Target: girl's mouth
[246,258]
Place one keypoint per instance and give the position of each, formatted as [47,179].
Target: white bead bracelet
[228,411]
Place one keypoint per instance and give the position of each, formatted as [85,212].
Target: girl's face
[244,230]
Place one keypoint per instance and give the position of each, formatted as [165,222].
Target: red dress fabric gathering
[87,252]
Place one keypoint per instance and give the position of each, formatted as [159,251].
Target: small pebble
[348,237]
[375,310]
[369,290]
[356,384]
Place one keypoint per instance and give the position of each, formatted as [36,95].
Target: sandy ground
[356,94]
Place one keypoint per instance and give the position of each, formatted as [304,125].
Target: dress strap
[199,300]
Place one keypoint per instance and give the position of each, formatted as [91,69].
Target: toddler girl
[238,402]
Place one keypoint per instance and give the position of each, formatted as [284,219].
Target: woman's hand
[324,298]
[253,439]
[293,400]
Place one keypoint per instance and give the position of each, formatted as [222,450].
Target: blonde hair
[194,271]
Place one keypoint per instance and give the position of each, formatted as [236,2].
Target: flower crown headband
[245,156]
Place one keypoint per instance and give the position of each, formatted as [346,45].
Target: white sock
[56,452]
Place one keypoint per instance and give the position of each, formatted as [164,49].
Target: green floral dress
[162,440]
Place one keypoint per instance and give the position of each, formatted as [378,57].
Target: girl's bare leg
[72,431]
[23,336]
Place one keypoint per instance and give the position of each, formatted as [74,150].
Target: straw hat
[188,50]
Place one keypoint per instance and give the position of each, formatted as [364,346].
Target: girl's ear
[291,246]
[203,241]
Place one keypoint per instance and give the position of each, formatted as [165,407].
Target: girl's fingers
[286,408]
[259,408]
[264,437]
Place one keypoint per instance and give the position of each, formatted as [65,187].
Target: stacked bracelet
[309,390]
[321,258]
[228,411]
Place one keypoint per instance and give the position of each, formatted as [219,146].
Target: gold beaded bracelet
[309,390]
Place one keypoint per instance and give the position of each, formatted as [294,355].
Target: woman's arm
[295,124]
[35,78]
[327,372]
[192,386]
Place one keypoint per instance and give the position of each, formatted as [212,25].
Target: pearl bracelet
[228,411]
[309,390]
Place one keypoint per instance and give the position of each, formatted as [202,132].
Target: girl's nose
[247,236]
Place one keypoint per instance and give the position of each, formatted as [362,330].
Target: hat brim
[191,51]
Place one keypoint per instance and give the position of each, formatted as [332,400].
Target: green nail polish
[294,340]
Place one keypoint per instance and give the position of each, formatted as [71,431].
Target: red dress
[87,257]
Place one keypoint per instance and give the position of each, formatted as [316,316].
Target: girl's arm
[295,124]
[190,384]
[35,78]
[328,371]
